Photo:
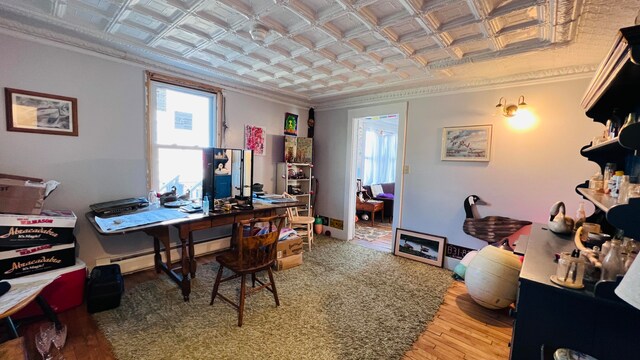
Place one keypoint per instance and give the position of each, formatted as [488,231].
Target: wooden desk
[183,271]
[371,206]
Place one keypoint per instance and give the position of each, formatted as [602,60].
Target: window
[183,118]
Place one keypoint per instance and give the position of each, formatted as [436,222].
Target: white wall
[528,171]
[107,160]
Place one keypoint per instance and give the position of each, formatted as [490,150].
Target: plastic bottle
[609,169]
[623,190]
[611,265]
[205,205]
[614,183]
[581,215]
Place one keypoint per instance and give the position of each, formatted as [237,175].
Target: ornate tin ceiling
[318,51]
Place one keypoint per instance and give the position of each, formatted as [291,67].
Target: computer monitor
[228,175]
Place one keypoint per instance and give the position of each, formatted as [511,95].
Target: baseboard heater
[144,260]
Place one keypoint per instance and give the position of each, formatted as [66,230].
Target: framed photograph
[255,139]
[421,247]
[34,112]
[290,124]
[466,143]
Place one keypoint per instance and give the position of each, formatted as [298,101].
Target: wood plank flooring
[461,329]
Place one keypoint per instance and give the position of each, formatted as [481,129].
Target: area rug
[372,233]
[343,302]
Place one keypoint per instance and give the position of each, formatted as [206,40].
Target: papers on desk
[23,288]
[138,219]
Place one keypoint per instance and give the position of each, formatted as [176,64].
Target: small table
[371,206]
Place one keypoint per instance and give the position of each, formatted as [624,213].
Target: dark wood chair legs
[273,286]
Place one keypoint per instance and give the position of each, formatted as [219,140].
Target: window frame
[179,84]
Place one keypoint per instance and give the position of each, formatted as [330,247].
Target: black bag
[105,288]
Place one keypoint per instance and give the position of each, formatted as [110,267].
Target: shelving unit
[562,322]
[613,90]
[292,176]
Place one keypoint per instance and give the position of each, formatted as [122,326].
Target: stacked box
[27,261]
[289,246]
[289,253]
[21,196]
[288,262]
[53,227]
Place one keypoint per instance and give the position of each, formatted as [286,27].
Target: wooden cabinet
[295,179]
[549,317]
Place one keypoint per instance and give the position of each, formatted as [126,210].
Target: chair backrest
[291,211]
[260,250]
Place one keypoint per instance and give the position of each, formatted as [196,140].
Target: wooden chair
[251,254]
[302,224]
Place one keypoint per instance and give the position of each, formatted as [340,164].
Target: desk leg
[13,333]
[161,235]
[48,311]
[157,259]
[192,256]
[186,282]
[373,215]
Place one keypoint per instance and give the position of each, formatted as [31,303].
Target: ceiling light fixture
[258,32]
[511,109]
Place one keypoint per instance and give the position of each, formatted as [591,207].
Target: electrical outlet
[405,169]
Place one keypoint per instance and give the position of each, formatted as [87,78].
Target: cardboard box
[289,246]
[64,293]
[288,262]
[27,261]
[21,196]
[50,227]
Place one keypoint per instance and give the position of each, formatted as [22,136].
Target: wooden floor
[461,329]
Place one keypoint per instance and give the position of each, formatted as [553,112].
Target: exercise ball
[492,277]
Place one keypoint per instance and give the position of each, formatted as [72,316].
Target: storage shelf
[603,146]
[601,200]
[613,85]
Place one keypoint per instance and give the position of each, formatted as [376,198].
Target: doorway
[375,176]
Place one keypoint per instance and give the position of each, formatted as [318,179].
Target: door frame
[401,109]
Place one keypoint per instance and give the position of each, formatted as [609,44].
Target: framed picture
[290,124]
[34,112]
[466,143]
[255,139]
[421,247]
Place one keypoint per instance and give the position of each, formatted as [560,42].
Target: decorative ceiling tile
[319,50]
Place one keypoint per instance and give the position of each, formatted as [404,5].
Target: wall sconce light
[510,110]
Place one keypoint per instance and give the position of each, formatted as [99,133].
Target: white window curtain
[379,157]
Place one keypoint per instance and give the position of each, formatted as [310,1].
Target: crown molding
[524,79]
[226,80]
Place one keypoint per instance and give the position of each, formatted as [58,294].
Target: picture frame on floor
[426,248]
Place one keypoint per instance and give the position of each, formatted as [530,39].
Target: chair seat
[302,220]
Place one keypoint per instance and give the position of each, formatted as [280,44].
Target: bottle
[614,183]
[205,205]
[609,168]
[623,190]
[581,215]
[611,265]
[595,182]
[631,119]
